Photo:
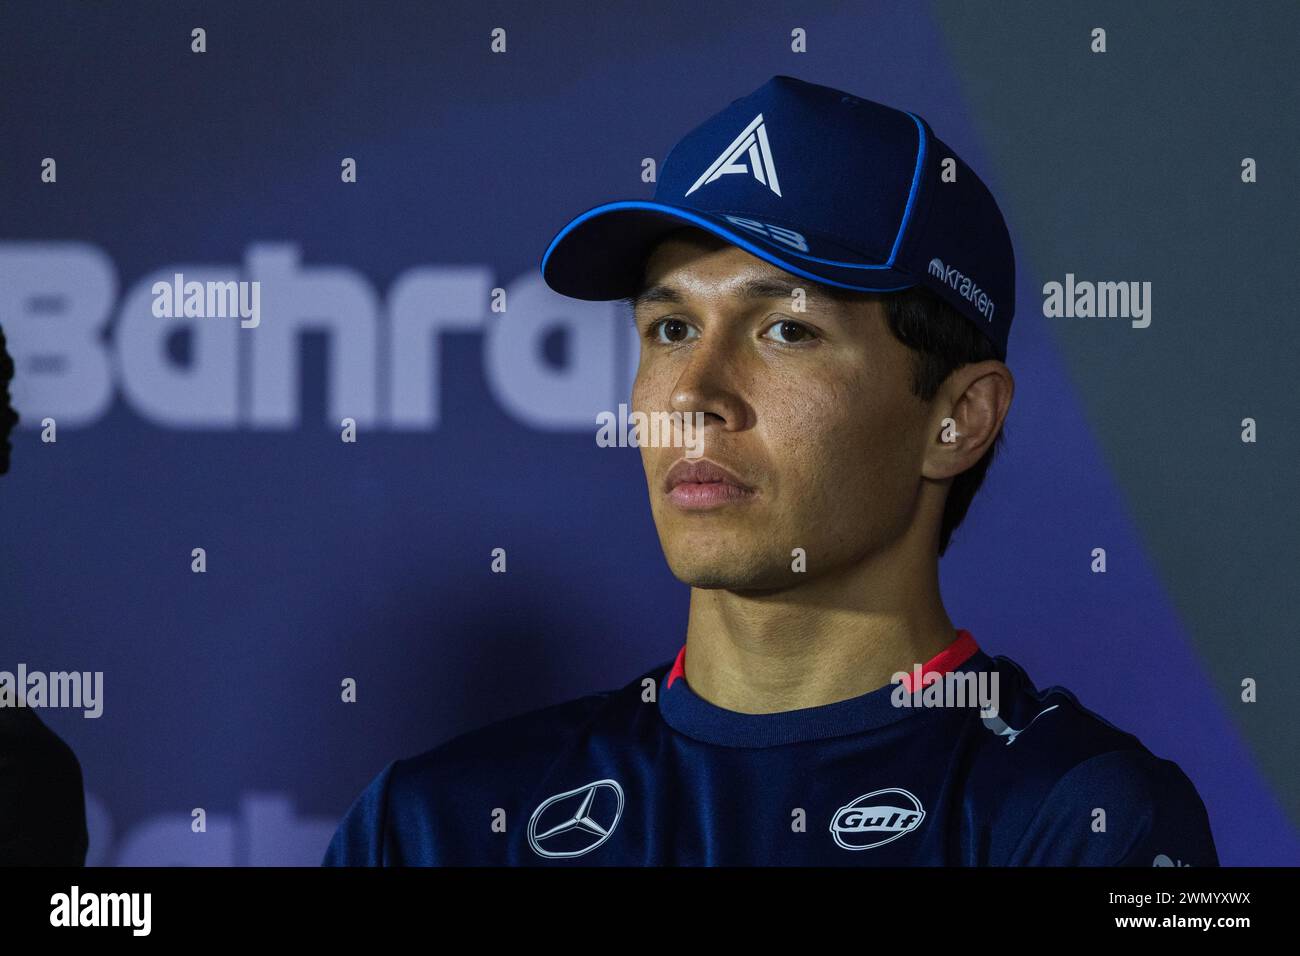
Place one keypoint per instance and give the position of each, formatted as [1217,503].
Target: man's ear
[968,414]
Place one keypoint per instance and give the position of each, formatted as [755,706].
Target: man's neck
[837,636]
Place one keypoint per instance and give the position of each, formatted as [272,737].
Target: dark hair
[942,340]
[8,417]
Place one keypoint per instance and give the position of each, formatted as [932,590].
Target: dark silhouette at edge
[42,798]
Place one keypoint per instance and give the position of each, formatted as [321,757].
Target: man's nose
[710,383]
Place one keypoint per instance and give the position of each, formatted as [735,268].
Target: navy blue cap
[823,184]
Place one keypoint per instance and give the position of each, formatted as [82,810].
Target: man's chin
[720,557]
[728,576]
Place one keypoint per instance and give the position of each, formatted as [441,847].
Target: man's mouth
[702,484]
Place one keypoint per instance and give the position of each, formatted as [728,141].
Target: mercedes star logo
[576,821]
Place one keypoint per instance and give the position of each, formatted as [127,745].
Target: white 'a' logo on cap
[752,140]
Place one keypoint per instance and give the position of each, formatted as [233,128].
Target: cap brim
[601,254]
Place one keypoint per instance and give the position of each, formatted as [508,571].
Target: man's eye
[792,333]
[668,331]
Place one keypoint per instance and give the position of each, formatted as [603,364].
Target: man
[42,802]
[830,289]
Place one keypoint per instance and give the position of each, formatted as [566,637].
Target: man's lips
[701,483]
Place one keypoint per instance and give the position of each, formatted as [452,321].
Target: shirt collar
[690,714]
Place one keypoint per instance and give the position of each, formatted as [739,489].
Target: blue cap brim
[601,254]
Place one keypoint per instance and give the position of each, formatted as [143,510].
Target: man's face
[812,410]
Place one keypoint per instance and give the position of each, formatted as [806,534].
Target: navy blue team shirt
[652,775]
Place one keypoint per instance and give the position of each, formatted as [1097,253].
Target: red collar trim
[950,658]
[679,668]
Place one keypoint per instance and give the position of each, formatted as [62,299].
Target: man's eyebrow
[765,287]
